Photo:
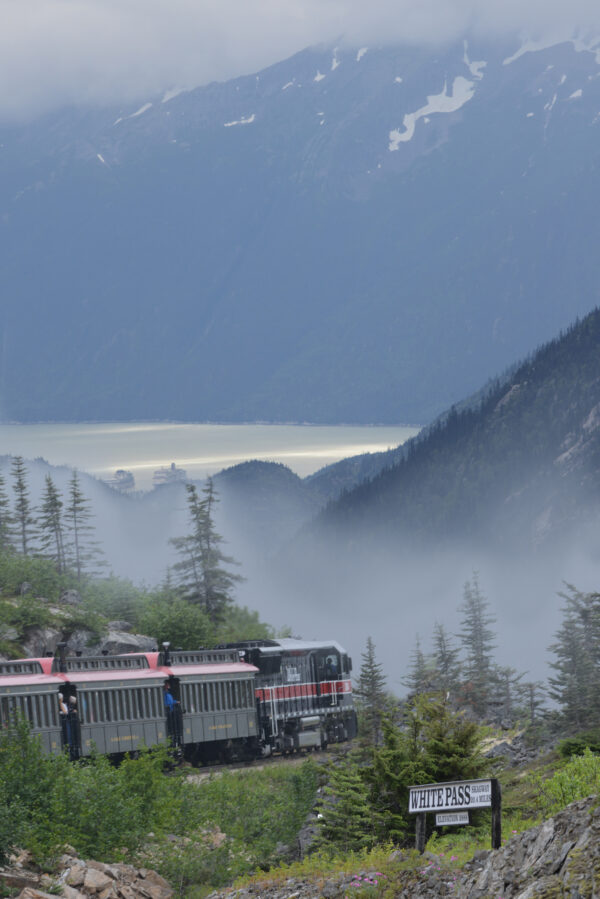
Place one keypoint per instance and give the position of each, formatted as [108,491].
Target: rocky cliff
[555,860]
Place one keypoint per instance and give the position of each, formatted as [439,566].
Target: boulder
[70,598]
[121,642]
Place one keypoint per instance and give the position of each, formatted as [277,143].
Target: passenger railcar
[238,701]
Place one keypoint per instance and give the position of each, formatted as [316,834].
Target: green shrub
[40,573]
[579,778]
[576,745]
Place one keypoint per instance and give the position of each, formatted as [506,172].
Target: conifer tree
[451,743]
[204,577]
[420,677]
[478,640]
[51,525]
[24,522]
[435,745]
[371,695]
[82,552]
[531,694]
[6,519]
[506,693]
[347,819]
[447,664]
[576,684]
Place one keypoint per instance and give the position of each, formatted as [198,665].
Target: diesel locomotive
[238,701]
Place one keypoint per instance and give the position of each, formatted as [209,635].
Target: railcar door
[68,714]
[173,711]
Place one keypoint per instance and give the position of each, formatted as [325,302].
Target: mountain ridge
[256,250]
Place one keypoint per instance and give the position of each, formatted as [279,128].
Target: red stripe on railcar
[300,690]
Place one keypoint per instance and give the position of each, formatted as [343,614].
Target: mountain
[357,235]
[520,469]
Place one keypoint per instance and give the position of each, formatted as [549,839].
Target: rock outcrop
[559,859]
[77,879]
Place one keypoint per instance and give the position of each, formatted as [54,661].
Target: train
[236,702]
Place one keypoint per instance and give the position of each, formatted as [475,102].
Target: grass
[385,872]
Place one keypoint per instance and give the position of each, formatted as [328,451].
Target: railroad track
[198,775]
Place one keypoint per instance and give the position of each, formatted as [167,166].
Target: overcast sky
[61,51]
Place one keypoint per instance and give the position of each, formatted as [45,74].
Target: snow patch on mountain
[361,53]
[289,84]
[579,44]
[462,91]
[241,121]
[140,111]
[335,61]
[319,76]
[475,68]
[174,92]
[576,95]
[529,47]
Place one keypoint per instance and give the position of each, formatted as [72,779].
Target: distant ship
[122,480]
[169,474]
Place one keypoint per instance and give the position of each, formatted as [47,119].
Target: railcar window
[37,712]
[126,697]
[157,702]
[105,700]
[44,717]
[35,716]
[51,710]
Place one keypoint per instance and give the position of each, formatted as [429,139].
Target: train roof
[290,644]
[30,680]
[209,670]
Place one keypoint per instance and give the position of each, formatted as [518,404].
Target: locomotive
[239,701]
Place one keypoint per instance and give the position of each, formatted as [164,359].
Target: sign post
[452,802]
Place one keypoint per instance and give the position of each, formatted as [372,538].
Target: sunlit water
[200,449]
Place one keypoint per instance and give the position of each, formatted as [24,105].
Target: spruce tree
[506,693]
[6,519]
[576,683]
[531,695]
[24,532]
[420,677]
[51,525]
[346,817]
[82,552]
[203,572]
[478,640]
[447,664]
[371,695]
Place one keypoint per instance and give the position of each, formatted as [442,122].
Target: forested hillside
[522,465]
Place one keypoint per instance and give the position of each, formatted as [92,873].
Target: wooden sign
[464,794]
[447,819]
[456,797]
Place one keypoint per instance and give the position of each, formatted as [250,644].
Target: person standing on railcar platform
[172,711]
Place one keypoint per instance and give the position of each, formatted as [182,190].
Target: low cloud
[56,52]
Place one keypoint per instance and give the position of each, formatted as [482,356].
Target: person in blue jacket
[170,702]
